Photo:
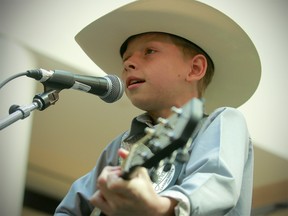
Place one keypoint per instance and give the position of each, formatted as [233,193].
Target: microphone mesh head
[115,89]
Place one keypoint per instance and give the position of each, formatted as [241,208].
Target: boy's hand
[117,196]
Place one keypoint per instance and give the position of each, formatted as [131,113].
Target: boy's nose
[131,62]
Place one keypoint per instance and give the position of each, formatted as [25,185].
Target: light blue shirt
[217,179]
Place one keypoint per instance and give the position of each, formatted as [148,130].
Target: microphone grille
[115,89]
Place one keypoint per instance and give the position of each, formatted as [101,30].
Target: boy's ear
[198,68]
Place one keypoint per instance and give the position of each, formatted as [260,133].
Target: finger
[114,182]
[108,182]
[123,153]
[102,179]
[97,199]
[140,172]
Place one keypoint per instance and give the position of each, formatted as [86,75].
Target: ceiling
[68,137]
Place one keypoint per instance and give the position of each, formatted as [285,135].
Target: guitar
[169,135]
[170,138]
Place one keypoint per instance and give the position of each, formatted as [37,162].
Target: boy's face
[155,72]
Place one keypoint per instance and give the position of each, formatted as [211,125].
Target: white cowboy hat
[236,61]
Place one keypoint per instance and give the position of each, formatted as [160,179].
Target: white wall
[14,140]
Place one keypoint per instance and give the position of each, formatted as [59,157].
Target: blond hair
[190,49]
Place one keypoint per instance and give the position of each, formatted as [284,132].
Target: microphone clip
[47,98]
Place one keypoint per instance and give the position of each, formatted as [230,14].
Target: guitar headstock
[168,136]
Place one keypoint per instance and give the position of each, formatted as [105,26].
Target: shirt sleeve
[212,181]
[76,201]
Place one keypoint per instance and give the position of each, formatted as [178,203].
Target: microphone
[109,88]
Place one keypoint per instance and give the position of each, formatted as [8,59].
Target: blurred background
[41,155]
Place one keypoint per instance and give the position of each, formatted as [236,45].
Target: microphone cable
[13,77]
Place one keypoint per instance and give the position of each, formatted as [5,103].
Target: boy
[170,50]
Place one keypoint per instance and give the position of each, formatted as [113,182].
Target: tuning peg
[169,161]
[144,155]
[179,111]
[154,146]
[165,123]
[170,135]
[149,130]
[183,154]
[162,121]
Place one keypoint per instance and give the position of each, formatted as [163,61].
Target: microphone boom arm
[40,102]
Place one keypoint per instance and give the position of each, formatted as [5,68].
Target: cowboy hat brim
[236,61]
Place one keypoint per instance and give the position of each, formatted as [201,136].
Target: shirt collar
[139,123]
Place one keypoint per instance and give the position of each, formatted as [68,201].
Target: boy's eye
[149,51]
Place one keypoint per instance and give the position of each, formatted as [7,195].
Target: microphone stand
[40,102]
